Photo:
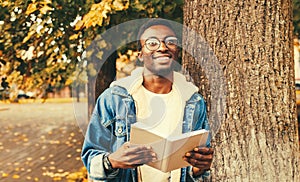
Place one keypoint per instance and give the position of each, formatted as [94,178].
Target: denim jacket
[109,128]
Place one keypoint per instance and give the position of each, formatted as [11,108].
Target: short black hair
[150,23]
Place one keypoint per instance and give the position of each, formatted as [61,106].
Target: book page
[177,146]
[142,136]
[170,151]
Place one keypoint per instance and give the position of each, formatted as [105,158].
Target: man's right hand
[131,156]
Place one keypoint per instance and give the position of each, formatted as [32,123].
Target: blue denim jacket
[109,128]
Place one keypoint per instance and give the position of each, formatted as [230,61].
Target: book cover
[169,150]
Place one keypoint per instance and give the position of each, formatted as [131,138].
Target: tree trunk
[106,74]
[252,41]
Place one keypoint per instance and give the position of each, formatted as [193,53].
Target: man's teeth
[163,58]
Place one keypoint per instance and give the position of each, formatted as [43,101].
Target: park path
[39,142]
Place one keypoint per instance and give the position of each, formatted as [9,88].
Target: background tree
[34,42]
[296,18]
[252,40]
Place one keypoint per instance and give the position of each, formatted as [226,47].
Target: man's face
[158,59]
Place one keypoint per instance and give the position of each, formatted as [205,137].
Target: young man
[156,95]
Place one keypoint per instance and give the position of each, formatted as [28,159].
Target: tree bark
[252,41]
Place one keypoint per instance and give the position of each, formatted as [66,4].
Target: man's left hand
[200,158]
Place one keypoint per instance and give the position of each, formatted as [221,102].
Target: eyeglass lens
[154,43]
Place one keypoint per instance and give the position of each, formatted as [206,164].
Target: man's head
[150,23]
[157,43]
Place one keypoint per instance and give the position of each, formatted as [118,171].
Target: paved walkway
[39,142]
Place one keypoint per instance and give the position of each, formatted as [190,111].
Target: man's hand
[131,156]
[200,158]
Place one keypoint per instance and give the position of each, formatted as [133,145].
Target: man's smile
[162,58]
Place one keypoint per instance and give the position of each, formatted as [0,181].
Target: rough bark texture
[258,138]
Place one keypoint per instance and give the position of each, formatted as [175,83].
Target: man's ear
[140,56]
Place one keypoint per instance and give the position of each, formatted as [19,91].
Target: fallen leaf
[28,177]
[52,167]
[29,158]
[57,178]
[60,170]
[42,158]
[15,176]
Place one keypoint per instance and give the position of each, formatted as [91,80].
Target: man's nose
[163,46]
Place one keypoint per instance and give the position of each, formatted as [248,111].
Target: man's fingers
[138,154]
[204,150]
[198,156]
[198,164]
[138,150]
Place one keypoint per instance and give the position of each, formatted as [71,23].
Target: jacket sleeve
[200,119]
[201,123]
[99,138]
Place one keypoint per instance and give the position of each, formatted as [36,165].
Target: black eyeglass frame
[160,41]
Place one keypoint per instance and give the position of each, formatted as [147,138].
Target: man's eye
[152,43]
[171,41]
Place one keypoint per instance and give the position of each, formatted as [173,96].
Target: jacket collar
[132,83]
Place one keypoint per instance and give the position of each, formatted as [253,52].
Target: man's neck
[157,83]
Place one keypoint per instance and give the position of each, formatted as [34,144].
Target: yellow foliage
[76,176]
[74,36]
[34,6]
[15,176]
[31,8]
[91,70]
[99,13]
[5,3]
[101,44]
[99,54]
[4,175]
[119,6]
[29,35]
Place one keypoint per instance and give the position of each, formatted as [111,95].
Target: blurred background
[48,86]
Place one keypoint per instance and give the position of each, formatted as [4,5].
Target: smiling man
[156,95]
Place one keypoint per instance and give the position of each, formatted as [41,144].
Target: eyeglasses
[153,43]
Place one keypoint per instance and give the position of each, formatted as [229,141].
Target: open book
[170,150]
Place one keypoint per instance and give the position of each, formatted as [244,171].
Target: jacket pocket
[120,127]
